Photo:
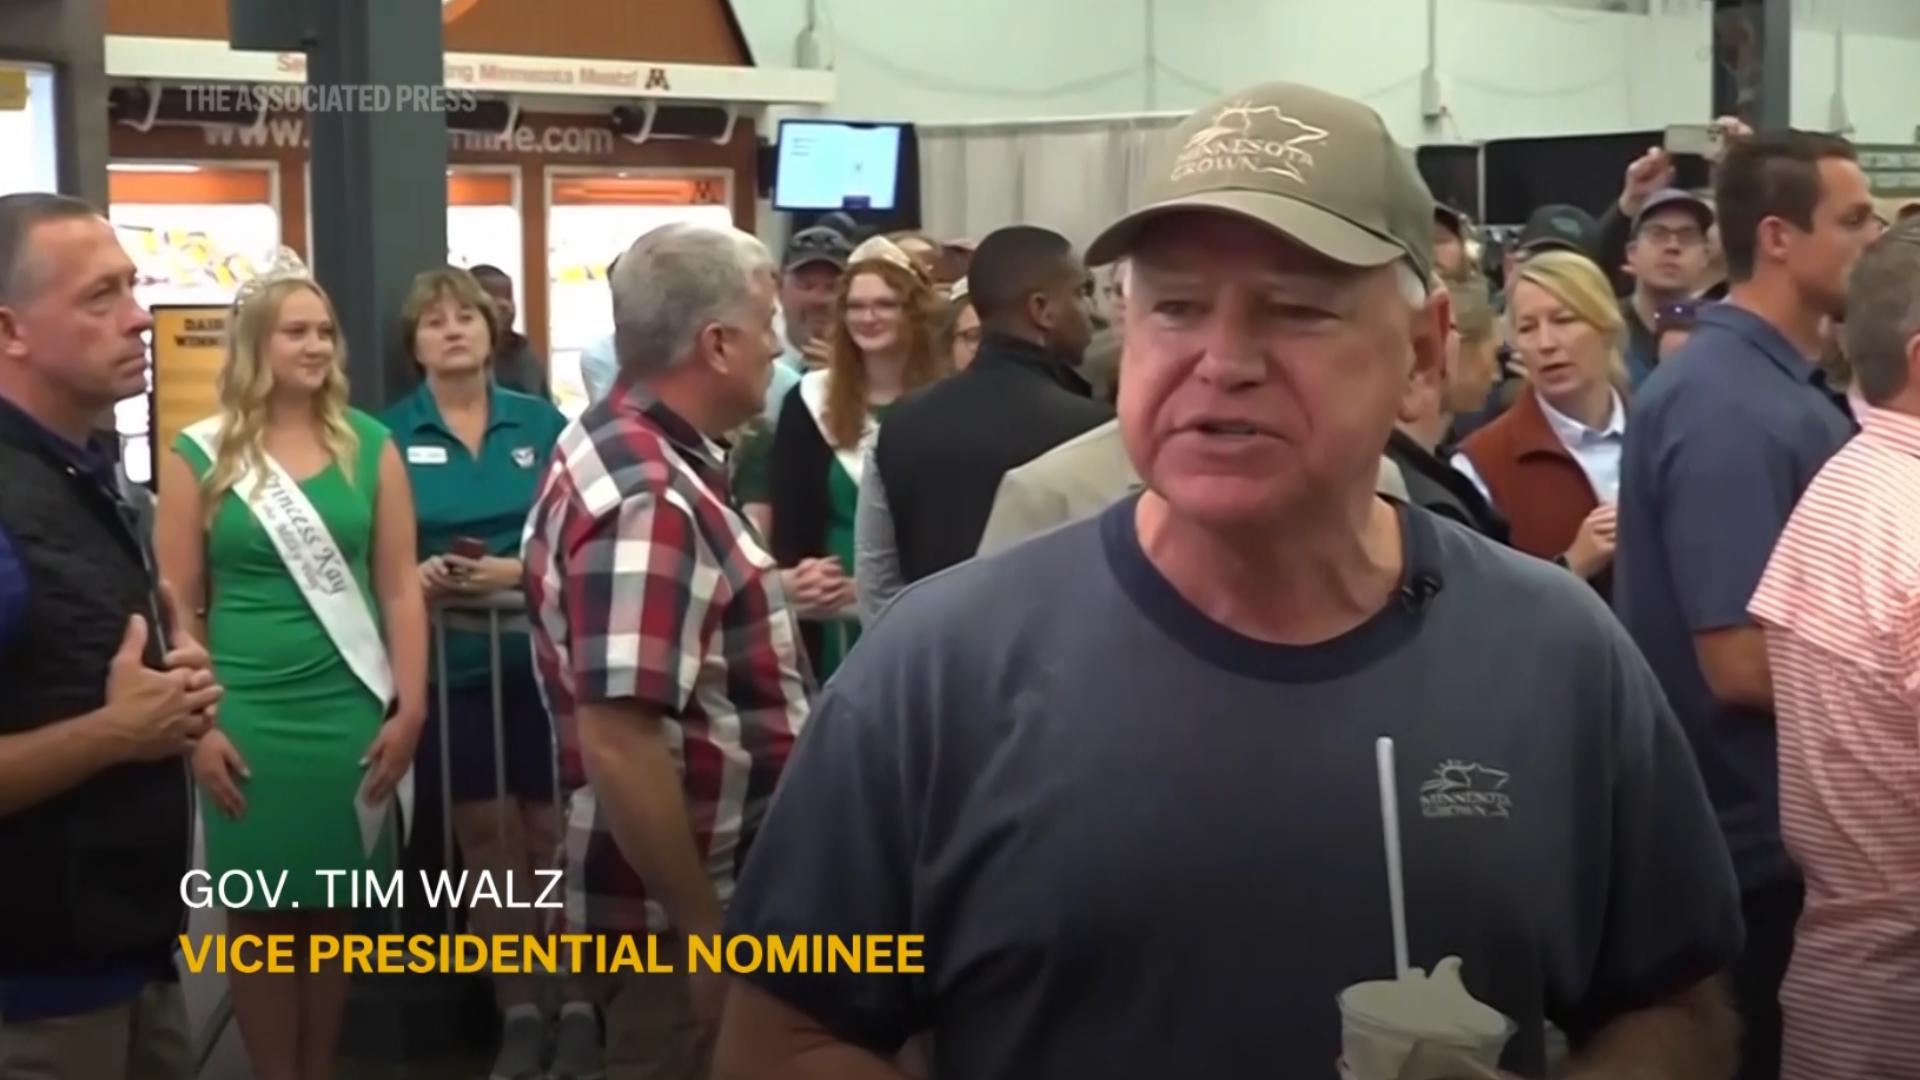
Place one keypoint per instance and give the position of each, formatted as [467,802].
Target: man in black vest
[929,487]
[104,695]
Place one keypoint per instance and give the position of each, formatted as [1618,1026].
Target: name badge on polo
[523,456]
[426,455]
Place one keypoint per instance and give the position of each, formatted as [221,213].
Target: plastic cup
[1374,1050]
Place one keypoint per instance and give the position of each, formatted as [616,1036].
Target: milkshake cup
[1383,1023]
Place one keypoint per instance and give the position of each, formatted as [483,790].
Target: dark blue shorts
[524,728]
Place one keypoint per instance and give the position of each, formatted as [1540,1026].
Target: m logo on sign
[657,79]
[1251,138]
[1461,789]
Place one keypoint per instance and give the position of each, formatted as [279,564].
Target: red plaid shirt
[645,585]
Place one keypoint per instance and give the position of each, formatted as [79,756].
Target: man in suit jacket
[931,477]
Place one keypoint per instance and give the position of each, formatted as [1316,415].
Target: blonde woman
[285,520]
[1551,463]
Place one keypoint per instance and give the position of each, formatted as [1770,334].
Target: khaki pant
[144,1039]
[650,1030]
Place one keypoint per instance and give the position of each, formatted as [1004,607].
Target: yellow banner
[183,258]
[13,89]
[189,347]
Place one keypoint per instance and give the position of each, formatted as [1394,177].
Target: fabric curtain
[1072,176]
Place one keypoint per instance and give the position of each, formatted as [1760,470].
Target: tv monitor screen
[832,165]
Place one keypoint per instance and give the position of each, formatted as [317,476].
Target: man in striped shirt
[662,633]
[1840,605]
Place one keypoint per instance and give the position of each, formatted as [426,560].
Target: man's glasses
[1662,235]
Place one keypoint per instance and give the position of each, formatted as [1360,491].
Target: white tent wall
[1072,176]
[1506,68]
[1878,74]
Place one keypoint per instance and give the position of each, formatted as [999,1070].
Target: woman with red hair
[885,344]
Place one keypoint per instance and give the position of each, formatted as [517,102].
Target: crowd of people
[1044,602]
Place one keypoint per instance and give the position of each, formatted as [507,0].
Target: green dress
[296,712]
[751,464]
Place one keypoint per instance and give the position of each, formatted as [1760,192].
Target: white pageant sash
[317,567]
[813,394]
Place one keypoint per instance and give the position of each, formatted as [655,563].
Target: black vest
[1436,486]
[943,450]
[93,873]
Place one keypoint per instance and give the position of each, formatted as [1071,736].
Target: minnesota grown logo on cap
[1318,168]
[1254,138]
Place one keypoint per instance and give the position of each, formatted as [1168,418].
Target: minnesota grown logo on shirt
[1464,789]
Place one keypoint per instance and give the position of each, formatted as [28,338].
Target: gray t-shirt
[1142,845]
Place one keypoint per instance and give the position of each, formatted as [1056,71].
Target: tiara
[881,249]
[286,266]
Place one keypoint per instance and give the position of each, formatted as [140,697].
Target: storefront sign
[1892,170]
[529,74]
[590,138]
[203,60]
[189,348]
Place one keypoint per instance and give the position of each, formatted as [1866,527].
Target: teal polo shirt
[457,493]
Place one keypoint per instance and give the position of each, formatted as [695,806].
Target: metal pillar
[1753,61]
[379,192]
[1775,109]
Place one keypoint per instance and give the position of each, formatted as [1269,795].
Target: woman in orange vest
[1551,463]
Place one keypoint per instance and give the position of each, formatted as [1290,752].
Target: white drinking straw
[1390,822]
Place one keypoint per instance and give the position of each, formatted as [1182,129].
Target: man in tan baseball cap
[1335,184]
[1297,208]
[1321,169]
[1122,776]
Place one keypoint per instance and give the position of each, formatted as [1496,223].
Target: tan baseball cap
[1319,169]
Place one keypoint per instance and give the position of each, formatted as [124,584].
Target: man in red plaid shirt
[665,644]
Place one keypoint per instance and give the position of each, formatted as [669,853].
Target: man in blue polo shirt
[105,694]
[1724,439]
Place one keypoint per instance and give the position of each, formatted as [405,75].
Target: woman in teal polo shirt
[474,452]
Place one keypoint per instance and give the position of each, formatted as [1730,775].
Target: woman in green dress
[286,522]
[884,346]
